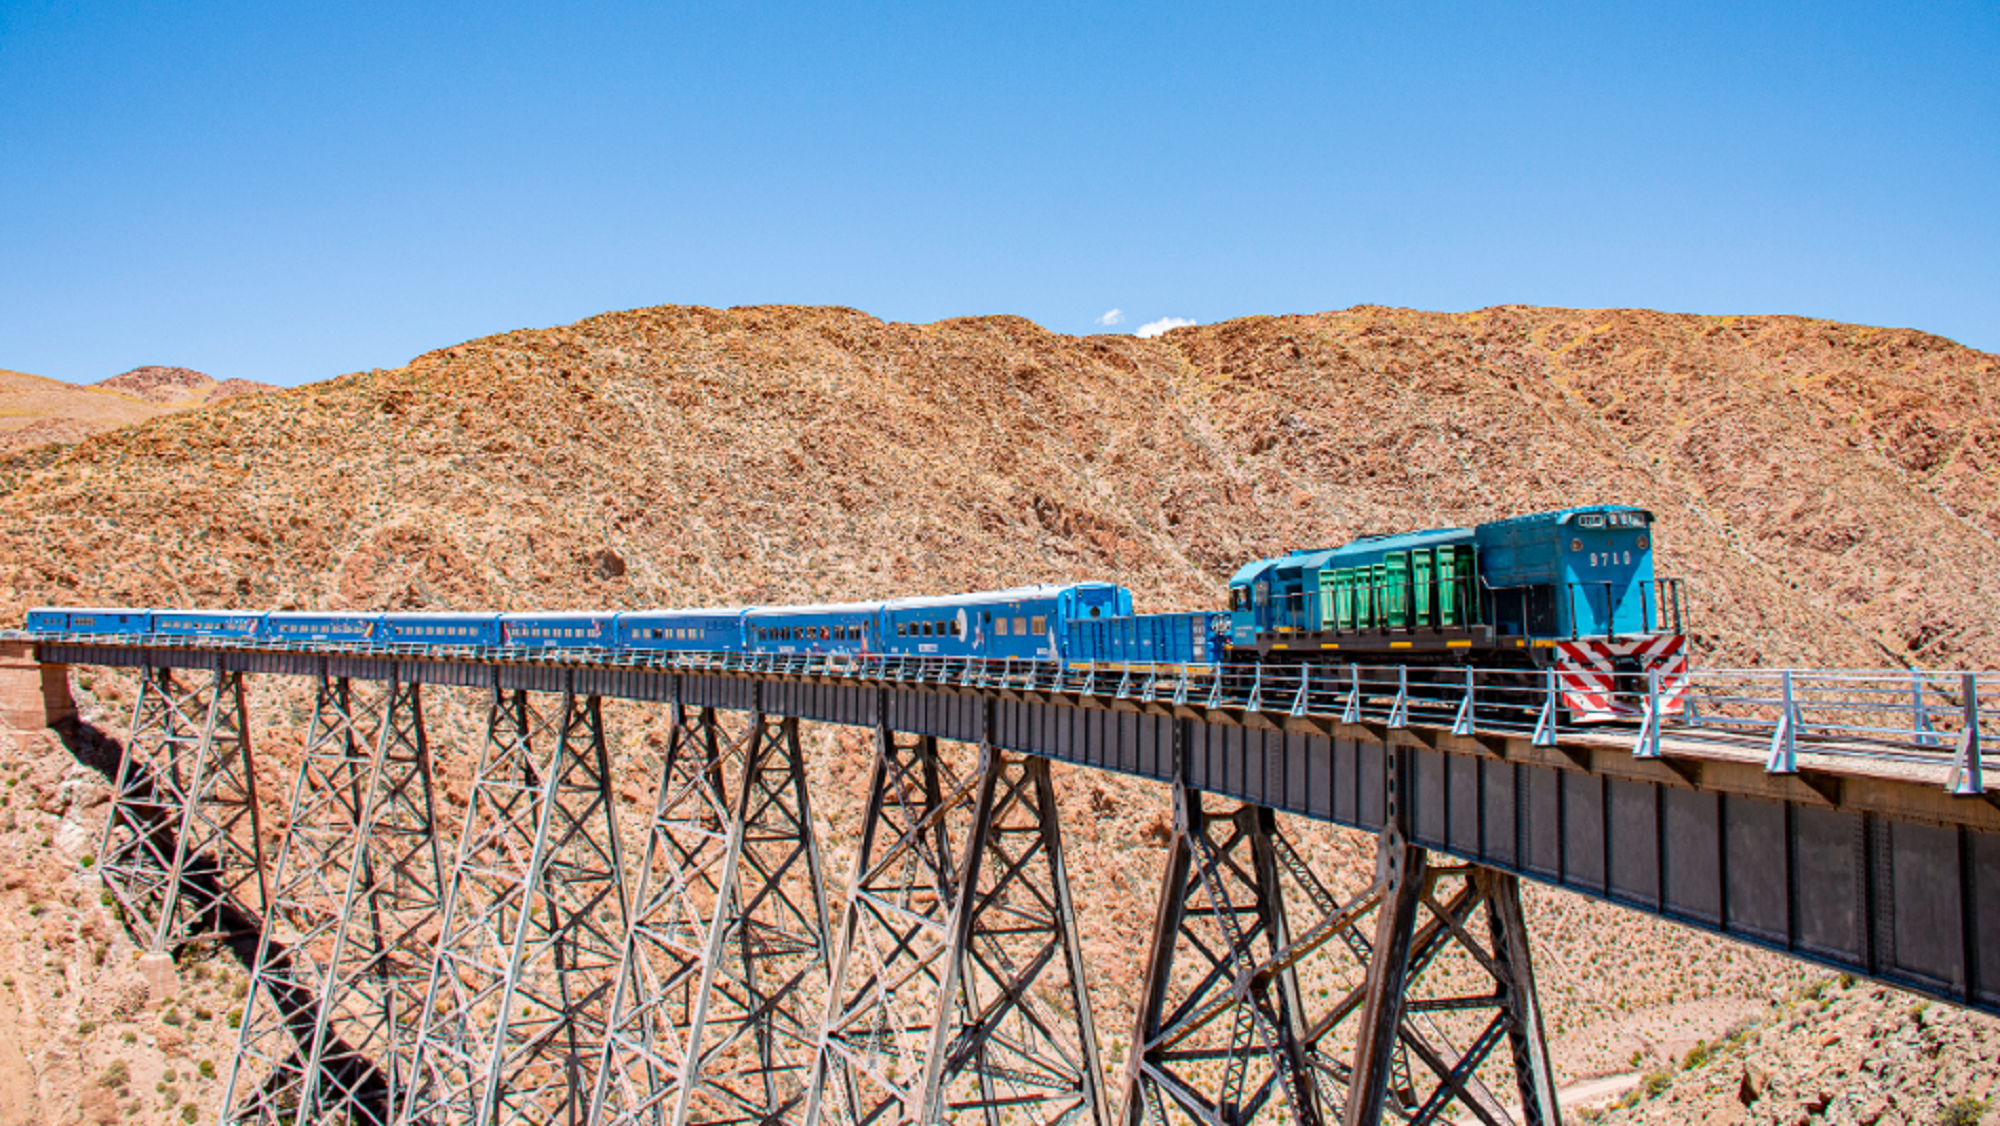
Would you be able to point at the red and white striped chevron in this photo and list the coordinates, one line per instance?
(1587, 672)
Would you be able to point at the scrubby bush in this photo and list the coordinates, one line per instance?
(1962, 1111)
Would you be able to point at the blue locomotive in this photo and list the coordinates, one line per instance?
(1572, 590)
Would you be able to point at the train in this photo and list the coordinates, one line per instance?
(1572, 590)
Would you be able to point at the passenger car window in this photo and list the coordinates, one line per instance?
(1000, 627)
(1021, 626)
(1041, 625)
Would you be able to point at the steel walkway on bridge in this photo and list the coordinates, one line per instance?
(544, 959)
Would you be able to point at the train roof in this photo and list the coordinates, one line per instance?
(689, 612)
(1565, 515)
(1402, 541)
(816, 608)
(981, 598)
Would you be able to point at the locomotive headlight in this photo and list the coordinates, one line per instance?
(1642, 543)
(1576, 545)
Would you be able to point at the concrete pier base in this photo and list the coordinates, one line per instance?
(32, 695)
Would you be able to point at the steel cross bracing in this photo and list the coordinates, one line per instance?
(1221, 1029)
(328, 1025)
(519, 997)
(1227, 1034)
(181, 848)
(958, 982)
(1419, 1050)
(724, 965)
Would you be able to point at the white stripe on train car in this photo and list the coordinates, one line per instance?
(1587, 673)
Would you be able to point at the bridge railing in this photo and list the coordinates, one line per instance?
(1912, 717)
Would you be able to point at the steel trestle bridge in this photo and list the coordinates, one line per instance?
(533, 952)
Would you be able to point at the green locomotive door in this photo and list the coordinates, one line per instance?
(1423, 579)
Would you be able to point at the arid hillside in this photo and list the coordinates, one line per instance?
(1828, 491)
(38, 412)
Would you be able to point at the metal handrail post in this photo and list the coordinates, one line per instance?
(1648, 743)
(1299, 700)
(1920, 713)
(1351, 713)
(1968, 778)
(1461, 724)
(1545, 725)
(1399, 712)
(1785, 740)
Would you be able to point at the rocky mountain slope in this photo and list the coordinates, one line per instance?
(179, 386)
(1828, 490)
(37, 412)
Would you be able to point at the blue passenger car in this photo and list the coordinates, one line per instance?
(449, 631)
(552, 630)
(314, 627)
(845, 628)
(83, 619)
(236, 624)
(709, 630)
(1024, 623)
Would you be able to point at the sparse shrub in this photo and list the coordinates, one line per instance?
(1696, 1056)
(203, 1014)
(207, 1069)
(129, 1036)
(86, 1027)
(117, 1075)
(169, 1075)
(236, 1018)
(87, 861)
(1962, 1111)
(189, 1113)
(171, 1017)
(1657, 1080)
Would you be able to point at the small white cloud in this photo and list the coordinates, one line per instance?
(1155, 328)
(1114, 317)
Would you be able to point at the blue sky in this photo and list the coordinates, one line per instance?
(288, 192)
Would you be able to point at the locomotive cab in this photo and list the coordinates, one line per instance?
(1575, 573)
